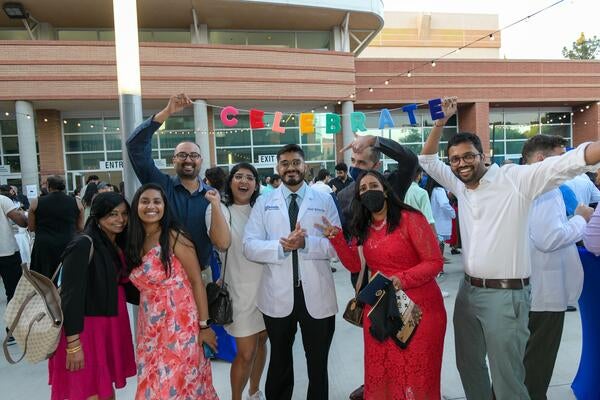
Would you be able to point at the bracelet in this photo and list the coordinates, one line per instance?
(204, 327)
(73, 350)
(72, 341)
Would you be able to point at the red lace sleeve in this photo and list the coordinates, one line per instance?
(348, 254)
(424, 241)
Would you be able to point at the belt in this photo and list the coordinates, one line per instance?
(497, 283)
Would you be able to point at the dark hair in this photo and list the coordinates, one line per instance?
(136, 234)
(102, 205)
(228, 197)
(56, 182)
(217, 177)
(418, 171)
(90, 191)
(290, 148)
(543, 143)
(341, 167)
(91, 178)
(275, 177)
(361, 216)
(322, 175)
(465, 137)
(430, 185)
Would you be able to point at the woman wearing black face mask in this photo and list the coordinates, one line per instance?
(399, 243)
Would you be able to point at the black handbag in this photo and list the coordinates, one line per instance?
(220, 308)
(354, 309)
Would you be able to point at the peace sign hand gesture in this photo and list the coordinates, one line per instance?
(329, 231)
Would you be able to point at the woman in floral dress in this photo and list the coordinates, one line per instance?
(173, 320)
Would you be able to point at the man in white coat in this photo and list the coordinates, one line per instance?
(556, 270)
(297, 285)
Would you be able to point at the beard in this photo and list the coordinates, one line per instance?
(293, 181)
(184, 171)
(470, 175)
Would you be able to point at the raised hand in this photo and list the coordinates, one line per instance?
(360, 143)
(329, 231)
(295, 240)
(213, 197)
(449, 105)
(178, 102)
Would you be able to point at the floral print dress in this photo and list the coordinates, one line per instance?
(170, 361)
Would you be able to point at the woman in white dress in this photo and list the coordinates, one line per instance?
(243, 278)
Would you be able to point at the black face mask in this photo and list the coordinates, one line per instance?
(373, 200)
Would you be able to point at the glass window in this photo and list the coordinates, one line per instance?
(14, 34)
(113, 141)
(521, 117)
(265, 151)
(313, 40)
(8, 127)
(498, 147)
(84, 161)
(447, 133)
(145, 36)
(227, 37)
(496, 118)
(316, 152)
(267, 137)
(14, 162)
(172, 36)
(84, 143)
(521, 131)
(10, 145)
(72, 34)
(83, 125)
(427, 121)
(406, 135)
(234, 155)
(556, 118)
(106, 36)
(559, 130)
(277, 39)
(182, 122)
(170, 140)
(114, 155)
(514, 147)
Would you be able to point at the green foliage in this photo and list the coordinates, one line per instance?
(583, 49)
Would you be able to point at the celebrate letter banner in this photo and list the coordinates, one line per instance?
(225, 113)
(256, 119)
(410, 110)
(276, 123)
(332, 123)
(435, 108)
(307, 123)
(357, 121)
(385, 118)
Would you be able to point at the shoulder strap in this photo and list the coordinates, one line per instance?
(363, 264)
(59, 269)
(226, 251)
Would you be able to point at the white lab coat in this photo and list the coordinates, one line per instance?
(556, 270)
(268, 222)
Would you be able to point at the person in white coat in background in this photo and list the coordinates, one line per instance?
(297, 284)
(556, 270)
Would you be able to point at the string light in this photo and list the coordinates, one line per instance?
(325, 107)
(409, 74)
(587, 107)
(7, 114)
(340, 102)
(28, 116)
(371, 90)
(45, 119)
(492, 37)
(433, 63)
(386, 82)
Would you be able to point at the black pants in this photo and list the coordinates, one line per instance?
(10, 271)
(316, 339)
(545, 329)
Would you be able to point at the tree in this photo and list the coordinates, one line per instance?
(583, 49)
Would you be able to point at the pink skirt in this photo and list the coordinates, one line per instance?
(108, 358)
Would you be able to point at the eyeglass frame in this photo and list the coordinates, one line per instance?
(285, 164)
(192, 156)
(239, 177)
(455, 160)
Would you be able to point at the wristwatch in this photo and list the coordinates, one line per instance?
(206, 323)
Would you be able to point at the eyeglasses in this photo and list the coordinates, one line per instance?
(183, 156)
(468, 158)
(286, 164)
(240, 177)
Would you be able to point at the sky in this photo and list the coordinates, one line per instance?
(542, 37)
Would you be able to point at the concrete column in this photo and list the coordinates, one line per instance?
(45, 31)
(202, 34)
(336, 33)
(347, 134)
(130, 112)
(26, 138)
(201, 130)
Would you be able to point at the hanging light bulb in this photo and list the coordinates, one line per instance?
(28, 116)
(371, 90)
(492, 37)
(65, 121)
(386, 82)
(45, 119)
(409, 74)
(339, 102)
(587, 107)
(7, 113)
(433, 63)
(325, 107)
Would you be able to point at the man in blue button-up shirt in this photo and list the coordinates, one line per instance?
(187, 194)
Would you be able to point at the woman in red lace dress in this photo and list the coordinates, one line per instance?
(399, 243)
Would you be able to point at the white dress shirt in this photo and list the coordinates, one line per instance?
(585, 190)
(556, 270)
(494, 217)
(443, 213)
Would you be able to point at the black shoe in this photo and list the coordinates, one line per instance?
(571, 308)
(454, 251)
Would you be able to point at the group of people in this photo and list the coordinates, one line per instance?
(275, 248)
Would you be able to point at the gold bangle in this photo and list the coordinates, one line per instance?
(73, 350)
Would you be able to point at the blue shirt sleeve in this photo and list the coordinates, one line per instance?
(139, 147)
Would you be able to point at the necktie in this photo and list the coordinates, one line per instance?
(293, 213)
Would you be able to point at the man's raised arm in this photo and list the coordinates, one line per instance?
(432, 144)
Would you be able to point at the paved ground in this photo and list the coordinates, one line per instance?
(25, 381)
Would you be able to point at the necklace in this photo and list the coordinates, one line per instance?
(379, 225)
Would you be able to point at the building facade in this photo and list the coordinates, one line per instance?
(59, 111)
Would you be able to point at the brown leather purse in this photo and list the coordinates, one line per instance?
(354, 309)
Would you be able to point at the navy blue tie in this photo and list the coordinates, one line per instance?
(293, 213)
